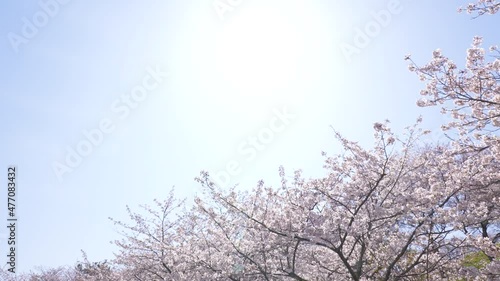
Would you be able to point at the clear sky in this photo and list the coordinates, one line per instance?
(248, 89)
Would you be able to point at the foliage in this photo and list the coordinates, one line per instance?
(478, 260)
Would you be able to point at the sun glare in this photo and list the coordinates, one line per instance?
(257, 57)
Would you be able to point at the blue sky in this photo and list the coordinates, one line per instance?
(229, 82)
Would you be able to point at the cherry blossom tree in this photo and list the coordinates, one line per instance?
(471, 97)
(94, 271)
(374, 216)
(396, 211)
(148, 249)
(83, 271)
